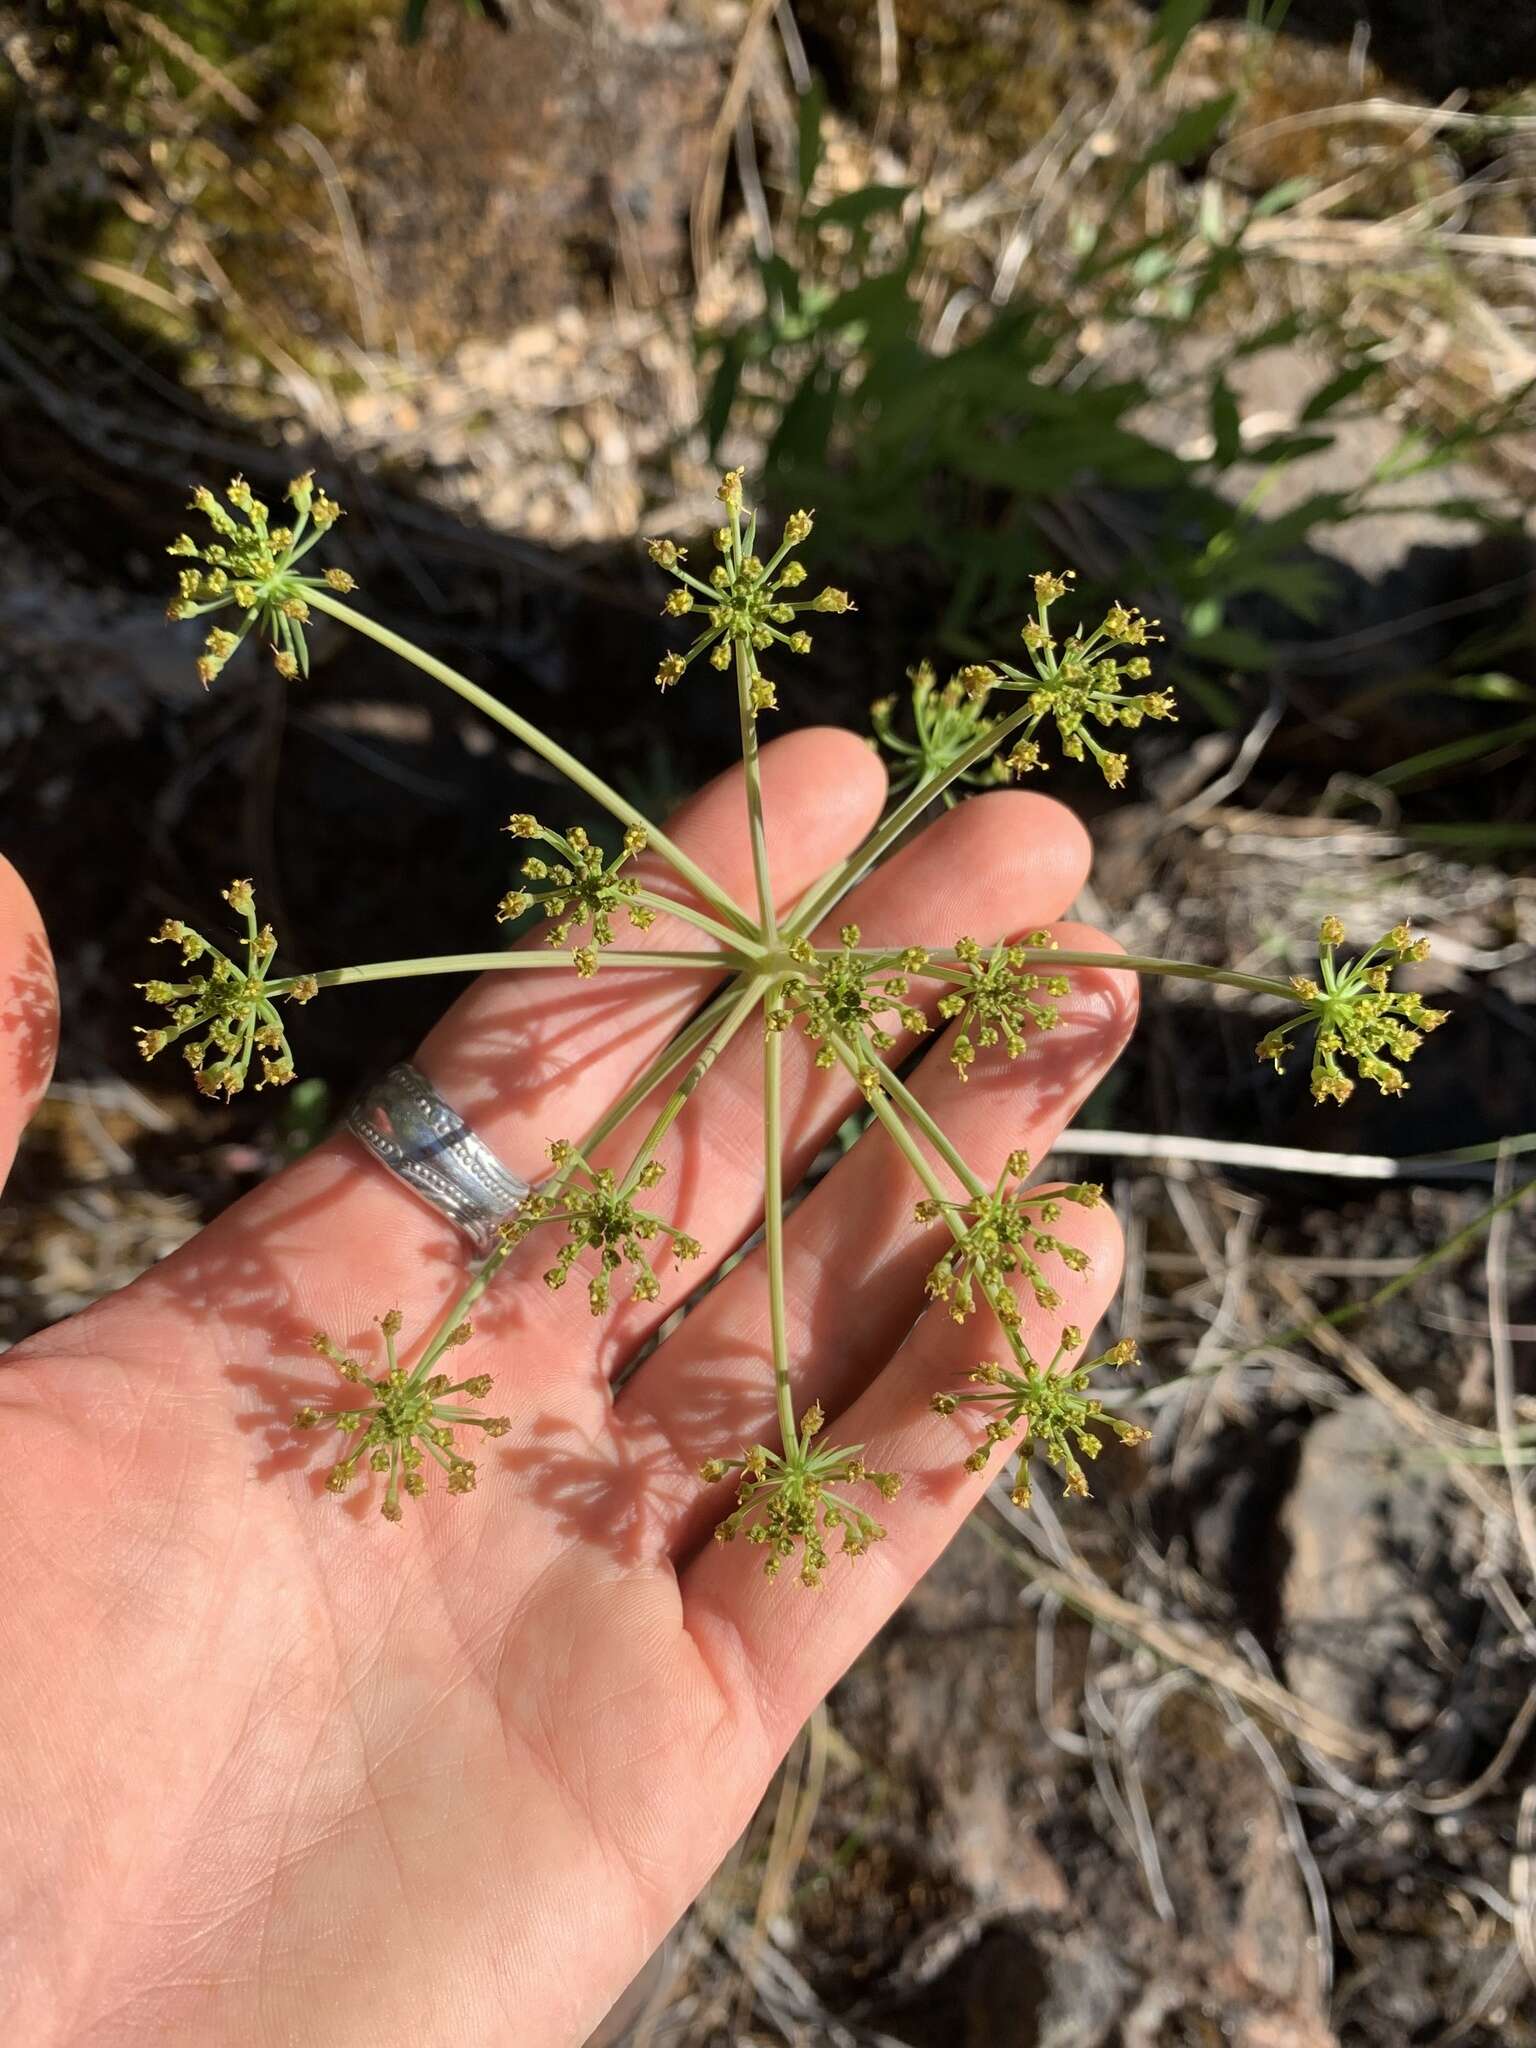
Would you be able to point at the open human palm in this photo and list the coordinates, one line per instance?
(279, 1772)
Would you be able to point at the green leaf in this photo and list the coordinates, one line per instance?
(1189, 137)
(1337, 389)
(1232, 647)
(1302, 587)
(723, 386)
(1490, 838)
(1279, 334)
(805, 425)
(813, 104)
(1218, 703)
(1280, 448)
(1455, 753)
(1492, 688)
(1226, 425)
(1175, 19)
(781, 281)
(855, 209)
(1279, 197)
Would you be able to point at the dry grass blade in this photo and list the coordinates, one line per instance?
(706, 205)
(1438, 1432)
(1186, 1648)
(1502, 1351)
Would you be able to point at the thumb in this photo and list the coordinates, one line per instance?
(29, 1011)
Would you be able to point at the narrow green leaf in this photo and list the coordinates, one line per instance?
(1226, 424)
(1281, 196)
(1492, 688)
(854, 209)
(1189, 137)
(1455, 753)
(813, 105)
(1233, 647)
(1175, 19)
(1337, 389)
(1490, 838)
(723, 387)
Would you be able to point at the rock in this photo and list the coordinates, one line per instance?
(1364, 1524)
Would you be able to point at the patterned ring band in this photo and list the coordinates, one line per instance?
(409, 1128)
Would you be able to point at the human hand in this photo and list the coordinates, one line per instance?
(278, 1772)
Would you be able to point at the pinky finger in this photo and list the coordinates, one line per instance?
(778, 1649)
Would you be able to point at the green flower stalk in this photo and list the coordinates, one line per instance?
(1051, 1407)
(1007, 1245)
(409, 1419)
(227, 1014)
(745, 603)
(250, 568)
(1357, 1014)
(600, 1215)
(949, 725)
(1001, 1233)
(789, 1502)
(1076, 682)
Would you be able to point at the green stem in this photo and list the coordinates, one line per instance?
(904, 1139)
(755, 822)
(1174, 970)
(574, 770)
(830, 891)
(497, 963)
(479, 1282)
(773, 1231)
(947, 1150)
(666, 1061)
(1125, 963)
(667, 907)
(750, 996)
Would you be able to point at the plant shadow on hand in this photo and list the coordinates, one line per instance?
(29, 1021)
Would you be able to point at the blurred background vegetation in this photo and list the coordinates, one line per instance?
(1229, 308)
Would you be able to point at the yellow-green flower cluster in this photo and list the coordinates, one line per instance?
(226, 1015)
(1052, 1405)
(788, 1503)
(846, 993)
(996, 997)
(409, 1418)
(1000, 1235)
(745, 602)
(250, 567)
(1359, 1016)
(948, 724)
(599, 1214)
(583, 890)
(1077, 681)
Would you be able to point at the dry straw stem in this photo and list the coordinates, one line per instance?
(1184, 1648)
(1442, 1434)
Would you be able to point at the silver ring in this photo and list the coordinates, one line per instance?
(409, 1128)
